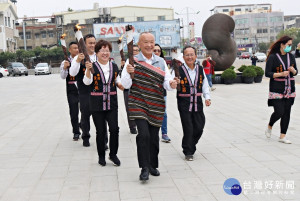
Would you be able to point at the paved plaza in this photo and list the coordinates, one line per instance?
(40, 161)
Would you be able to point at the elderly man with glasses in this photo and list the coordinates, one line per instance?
(193, 83)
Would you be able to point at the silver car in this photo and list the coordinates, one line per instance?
(17, 68)
(42, 68)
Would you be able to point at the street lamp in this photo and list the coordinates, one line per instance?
(187, 13)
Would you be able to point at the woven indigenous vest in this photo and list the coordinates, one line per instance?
(189, 97)
(146, 98)
(103, 94)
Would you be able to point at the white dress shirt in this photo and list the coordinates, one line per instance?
(105, 69)
(64, 72)
(75, 66)
(127, 81)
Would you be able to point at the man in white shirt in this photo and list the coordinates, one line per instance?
(72, 90)
(147, 139)
(193, 83)
(78, 69)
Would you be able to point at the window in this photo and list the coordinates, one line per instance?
(265, 8)
(121, 19)
(265, 30)
(21, 36)
(276, 19)
(238, 9)
(260, 19)
(44, 35)
(28, 35)
(140, 19)
(6, 21)
(37, 35)
(51, 35)
(241, 21)
(262, 31)
(225, 10)
(161, 17)
(13, 25)
(74, 21)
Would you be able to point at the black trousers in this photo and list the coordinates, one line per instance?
(73, 101)
(147, 142)
(192, 125)
(84, 100)
(100, 118)
(282, 111)
(131, 123)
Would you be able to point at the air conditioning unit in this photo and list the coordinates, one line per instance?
(100, 11)
(106, 11)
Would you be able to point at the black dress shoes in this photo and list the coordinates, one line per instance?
(102, 161)
(144, 176)
(133, 131)
(154, 171)
(86, 143)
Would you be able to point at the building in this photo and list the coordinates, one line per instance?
(140, 14)
(37, 34)
(254, 28)
(8, 31)
(291, 21)
(242, 9)
(254, 24)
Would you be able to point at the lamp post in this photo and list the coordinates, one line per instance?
(187, 13)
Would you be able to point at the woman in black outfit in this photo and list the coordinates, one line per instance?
(281, 69)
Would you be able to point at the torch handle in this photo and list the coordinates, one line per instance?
(176, 65)
(130, 56)
(82, 49)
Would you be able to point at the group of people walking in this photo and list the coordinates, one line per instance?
(144, 95)
(145, 84)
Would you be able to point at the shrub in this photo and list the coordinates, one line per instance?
(228, 74)
(242, 68)
(259, 71)
(231, 67)
(249, 72)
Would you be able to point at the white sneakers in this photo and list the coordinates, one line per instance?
(284, 140)
(268, 132)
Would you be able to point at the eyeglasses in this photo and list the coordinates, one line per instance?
(156, 51)
(136, 50)
(104, 51)
(189, 55)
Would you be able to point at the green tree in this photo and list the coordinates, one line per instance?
(263, 47)
(293, 33)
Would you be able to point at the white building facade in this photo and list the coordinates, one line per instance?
(8, 31)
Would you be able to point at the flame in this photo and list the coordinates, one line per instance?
(63, 36)
(121, 37)
(78, 27)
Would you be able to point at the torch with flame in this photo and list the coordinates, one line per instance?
(64, 46)
(81, 44)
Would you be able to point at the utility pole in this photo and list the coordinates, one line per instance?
(24, 35)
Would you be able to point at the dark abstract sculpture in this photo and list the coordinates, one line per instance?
(216, 35)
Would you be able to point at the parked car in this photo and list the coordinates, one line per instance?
(261, 56)
(17, 68)
(245, 55)
(42, 68)
(3, 72)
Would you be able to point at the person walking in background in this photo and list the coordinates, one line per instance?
(72, 90)
(253, 59)
(193, 83)
(164, 128)
(297, 52)
(78, 69)
(281, 69)
(208, 65)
